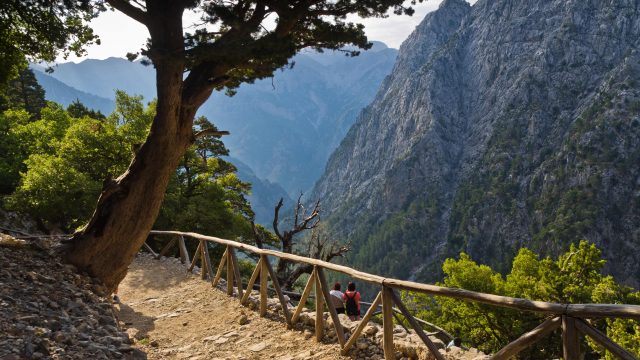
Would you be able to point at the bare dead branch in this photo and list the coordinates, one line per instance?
(276, 212)
(210, 132)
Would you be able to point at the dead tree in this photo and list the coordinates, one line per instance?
(318, 245)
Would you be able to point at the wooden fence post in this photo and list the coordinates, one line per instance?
(319, 311)
(167, 247)
(236, 272)
(603, 340)
(276, 286)
(204, 269)
(153, 253)
(223, 262)
(332, 311)
(305, 294)
(263, 285)
(229, 271)
(529, 338)
(196, 256)
(184, 254)
(570, 339)
(387, 323)
(252, 280)
(363, 323)
(414, 324)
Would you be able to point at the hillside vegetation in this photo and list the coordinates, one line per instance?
(503, 124)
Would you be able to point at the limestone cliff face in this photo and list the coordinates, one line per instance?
(505, 124)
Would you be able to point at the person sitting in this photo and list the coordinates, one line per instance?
(336, 298)
(352, 301)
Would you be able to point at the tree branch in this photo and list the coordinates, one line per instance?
(257, 236)
(131, 11)
(210, 132)
(275, 219)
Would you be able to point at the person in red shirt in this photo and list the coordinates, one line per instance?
(352, 301)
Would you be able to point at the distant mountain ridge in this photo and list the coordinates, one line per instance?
(56, 90)
(285, 128)
(505, 124)
(104, 77)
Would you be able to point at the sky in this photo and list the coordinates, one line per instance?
(119, 34)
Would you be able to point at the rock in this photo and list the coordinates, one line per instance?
(258, 347)
(370, 330)
(55, 313)
(135, 334)
(221, 340)
(243, 319)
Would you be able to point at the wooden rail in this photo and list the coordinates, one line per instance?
(569, 317)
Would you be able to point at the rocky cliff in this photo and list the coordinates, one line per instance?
(504, 124)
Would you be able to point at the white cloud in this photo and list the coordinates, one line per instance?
(394, 29)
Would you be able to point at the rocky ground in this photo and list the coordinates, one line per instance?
(48, 311)
(173, 314)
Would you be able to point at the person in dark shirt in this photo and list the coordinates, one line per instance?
(352, 300)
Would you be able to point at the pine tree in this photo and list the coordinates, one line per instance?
(24, 92)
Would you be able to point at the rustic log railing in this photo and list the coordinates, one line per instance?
(568, 317)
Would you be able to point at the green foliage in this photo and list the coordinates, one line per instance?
(40, 30)
(67, 159)
(53, 191)
(25, 93)
(395, 245)
(77, 110)
(205, 195)
(53, 166)
(575, 277)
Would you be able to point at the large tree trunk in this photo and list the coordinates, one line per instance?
(129, 205)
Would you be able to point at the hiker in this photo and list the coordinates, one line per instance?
(352, 301)
(336, 298)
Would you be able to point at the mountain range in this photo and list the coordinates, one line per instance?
(504, 124)
(283, 129)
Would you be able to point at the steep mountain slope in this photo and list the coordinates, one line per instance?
(56, 90)
(506, 124)
(285, 128)
(264, 194)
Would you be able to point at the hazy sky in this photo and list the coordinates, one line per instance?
(120, 35)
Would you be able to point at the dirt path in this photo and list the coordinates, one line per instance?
(175, 315)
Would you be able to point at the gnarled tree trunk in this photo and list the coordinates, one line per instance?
(240, 50)
(129, 205)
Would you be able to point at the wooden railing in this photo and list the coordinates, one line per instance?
(569, 317)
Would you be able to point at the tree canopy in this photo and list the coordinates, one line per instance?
(241, 41)
(41, 30)
(235, 42)
(54, 166)
(575, 277)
